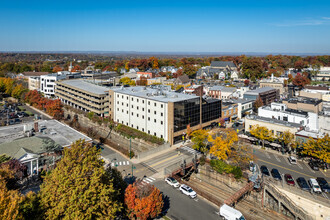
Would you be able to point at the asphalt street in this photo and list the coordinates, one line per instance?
(183, 207)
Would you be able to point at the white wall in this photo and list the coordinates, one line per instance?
(139, 113)
(47, 84)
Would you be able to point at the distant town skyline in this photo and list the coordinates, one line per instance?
(168, 26)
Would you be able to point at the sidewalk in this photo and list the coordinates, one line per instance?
(39, 111)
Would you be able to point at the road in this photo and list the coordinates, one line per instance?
(181, 206)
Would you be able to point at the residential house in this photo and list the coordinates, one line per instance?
(182, 80)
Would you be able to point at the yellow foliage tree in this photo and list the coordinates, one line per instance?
(222, 145)
(319, 148)
(199, 138)
(9, 199)
(127, 81)
(286, 138)
(262, 133)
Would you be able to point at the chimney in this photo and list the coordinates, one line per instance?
(36, 126)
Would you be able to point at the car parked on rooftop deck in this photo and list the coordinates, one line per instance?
(276, 174)
(323, 184)
(289, 180)
(303, 184)
(314, 185)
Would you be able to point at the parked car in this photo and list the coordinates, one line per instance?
(188, 191)
(289, 180)
(172, 182)
(314, 185)
(323, 184)
(303, 184)
(230, 213)
(264, 170)
(276, 174)
(313, 165)
(292, 160)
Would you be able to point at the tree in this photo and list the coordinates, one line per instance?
(17, 91)
(286, 138)
(127, 81)
(143, 201)
(4, 158)
(222, 145)
(199, 138)
(9, 199)
(258, 104)
(262, 133)
(78, 188)
(30, 207)
(246, 82)
(319, 148)
(190, 70)
(300, 80)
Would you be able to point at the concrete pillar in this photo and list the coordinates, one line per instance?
(37, 166)
(279, 207)
(31, 168)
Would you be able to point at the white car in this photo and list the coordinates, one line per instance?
(188, 191)
(292, 160)
(172, 182)
(314, 185)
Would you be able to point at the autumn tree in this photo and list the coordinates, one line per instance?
(286, 138)
(221, 145)
(258, 103)
(143, 201)
(78, 188)
(246, 82)
(190, 70)
(30, 207)
(17, 91)
(199, 138)
(127, 81)
(319, 148)
(262, 133)
(300, 80)
(154, 62)
(9, 199)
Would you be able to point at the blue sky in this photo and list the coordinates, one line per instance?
(166, 26)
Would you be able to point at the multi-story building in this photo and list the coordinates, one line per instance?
(244, 107)
(161, 112)
(304, 104)
(84, 95)
(274, 125)
(266, 94)
(316, 92)
(221, 92)
(47, 83)
(34, 83)
(324, 118)
(27, 75)
(229, 110)
(279, 111)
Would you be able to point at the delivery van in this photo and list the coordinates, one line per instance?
(229, 213)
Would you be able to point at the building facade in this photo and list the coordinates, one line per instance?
(266, 94)
(34, 83)
(244, 107)
(160, 112)
(229, 111)
(47, 84)
(84, 95)
(304, 104)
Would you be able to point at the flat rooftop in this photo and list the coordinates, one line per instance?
(306, 100)
(156, 93)
(86, 85)
(273, 121)
(259, 90)
(60, 133)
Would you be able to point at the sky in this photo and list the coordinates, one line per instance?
(268, 26)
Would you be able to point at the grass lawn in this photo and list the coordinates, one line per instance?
(21, 108)
(29, 113)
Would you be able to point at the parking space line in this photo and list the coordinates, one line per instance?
(287, 161)
(267, 154)
(325, 195)
(309, 168)
(299, 165)
(276, 157)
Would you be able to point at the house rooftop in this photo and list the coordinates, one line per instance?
(308, 134)
(86, 85)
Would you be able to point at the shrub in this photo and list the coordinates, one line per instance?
(222, 167)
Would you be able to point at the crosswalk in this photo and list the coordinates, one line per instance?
(190, 150)
(148, 180)
(120, 163)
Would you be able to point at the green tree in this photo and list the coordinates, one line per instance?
(79, 187)
(30, 207)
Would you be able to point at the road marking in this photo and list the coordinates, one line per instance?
(124, 163)
(325, 195)
(267, 154)
(299, 165)
(276, 157)
(285, 168)
(127, 162)
(309, 168)
(155, 164)
(287, 161)
(120, 163)
(152, 178)
(196, 200)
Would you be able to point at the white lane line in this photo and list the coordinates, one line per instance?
(287, 161)
(152, 178)
(146, 181)
(267, 154)
(120, 163)
(309, 168)
(276, 157)
(127, 162)
(299, 165)
(124, 163)
(325, 195)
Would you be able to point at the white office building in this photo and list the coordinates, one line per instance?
(47, 83)
(279, 111)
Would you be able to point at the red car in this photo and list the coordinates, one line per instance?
(289, 180)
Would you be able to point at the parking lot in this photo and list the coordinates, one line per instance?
(11, 114)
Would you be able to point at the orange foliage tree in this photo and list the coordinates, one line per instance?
(143, 201)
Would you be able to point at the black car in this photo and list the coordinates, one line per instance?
(276, 174)
(323, 184)
(264, 170)
(303, 184)
(313, 165)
